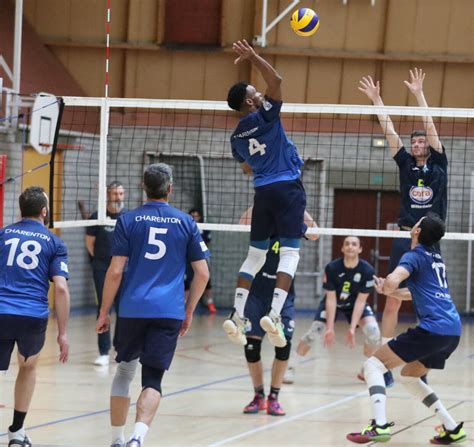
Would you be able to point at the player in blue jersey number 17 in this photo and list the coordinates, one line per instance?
(260, 145)
(426, 346)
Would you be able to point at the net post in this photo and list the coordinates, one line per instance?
(104, 131)
(51, 163)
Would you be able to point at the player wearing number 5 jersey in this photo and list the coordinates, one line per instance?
(426, 346)
(30, 257)
(260, 145)
(157, 240)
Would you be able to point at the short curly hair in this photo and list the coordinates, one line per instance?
(236, 95)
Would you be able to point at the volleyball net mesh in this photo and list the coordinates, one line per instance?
(350, 178)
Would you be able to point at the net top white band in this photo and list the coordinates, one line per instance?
(287, 107)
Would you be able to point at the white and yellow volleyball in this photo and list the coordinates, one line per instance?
(304, 22)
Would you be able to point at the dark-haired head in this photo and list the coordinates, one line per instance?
(236, 95)
(418, 133)
(34, 203)
(432, 229)
(157, 181)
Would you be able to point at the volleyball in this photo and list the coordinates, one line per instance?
(304, 22)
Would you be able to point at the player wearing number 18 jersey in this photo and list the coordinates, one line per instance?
(261, 146)
(157, 240)
(30, 257)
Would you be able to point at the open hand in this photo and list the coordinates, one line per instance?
(415, 85)
(329, 337)
(350, 338)
(370, 88)
(244, 50)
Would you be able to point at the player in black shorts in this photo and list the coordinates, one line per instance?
(348, 281)
(257, 305)
(188, 277)
(423, 179)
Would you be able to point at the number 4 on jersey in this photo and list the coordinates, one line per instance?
(255, 146)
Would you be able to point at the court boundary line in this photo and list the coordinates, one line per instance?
(289, 419)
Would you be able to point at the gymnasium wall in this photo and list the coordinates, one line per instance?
(353, 40)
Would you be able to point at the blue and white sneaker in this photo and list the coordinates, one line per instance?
(134, 442)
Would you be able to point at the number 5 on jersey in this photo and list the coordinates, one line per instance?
(153, 240)
(255, 146)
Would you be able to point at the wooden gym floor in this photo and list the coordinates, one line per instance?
(208, 385)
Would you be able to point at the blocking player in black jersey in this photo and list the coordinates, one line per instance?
(423, 179)
(348, 281)
(257, 305)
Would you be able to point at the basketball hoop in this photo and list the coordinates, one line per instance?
(44, 119)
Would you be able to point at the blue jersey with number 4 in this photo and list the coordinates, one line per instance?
(260, 140)
(30, 256)
(158, 241)
(428, 285)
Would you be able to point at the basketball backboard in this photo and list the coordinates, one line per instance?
(44, 117)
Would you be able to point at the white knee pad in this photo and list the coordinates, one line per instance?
(372, 333)
(254, 262)
(289, 258)
(315, 333)
(123, 378)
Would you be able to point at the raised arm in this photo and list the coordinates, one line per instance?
(415, 85)
(372, 90)
(269, 74)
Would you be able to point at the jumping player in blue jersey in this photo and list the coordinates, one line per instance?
(423, 179)
(426, 346)
(157, 240)
(258, 303)
(260, 145)
(30, 257)
(348, 281)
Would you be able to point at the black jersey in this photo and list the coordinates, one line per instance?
(348, 282)
(422, 188)
(264, 282)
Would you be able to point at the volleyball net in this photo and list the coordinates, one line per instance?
(350, 178)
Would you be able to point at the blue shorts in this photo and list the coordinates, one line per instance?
(278, 210)
(153, 340)
(432, 350)
(346, 311)
(256, 308)
(27, 332)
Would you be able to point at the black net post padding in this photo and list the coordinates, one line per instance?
(51, 163)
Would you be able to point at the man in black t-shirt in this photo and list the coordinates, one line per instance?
(423, 179)
(208, 296)
(99, 246)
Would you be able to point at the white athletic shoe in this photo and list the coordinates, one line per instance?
(289, 376)
(134, 443)
(102, 360)
(118, 443)
(273, 326)
(236, 327)
(18, 440)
